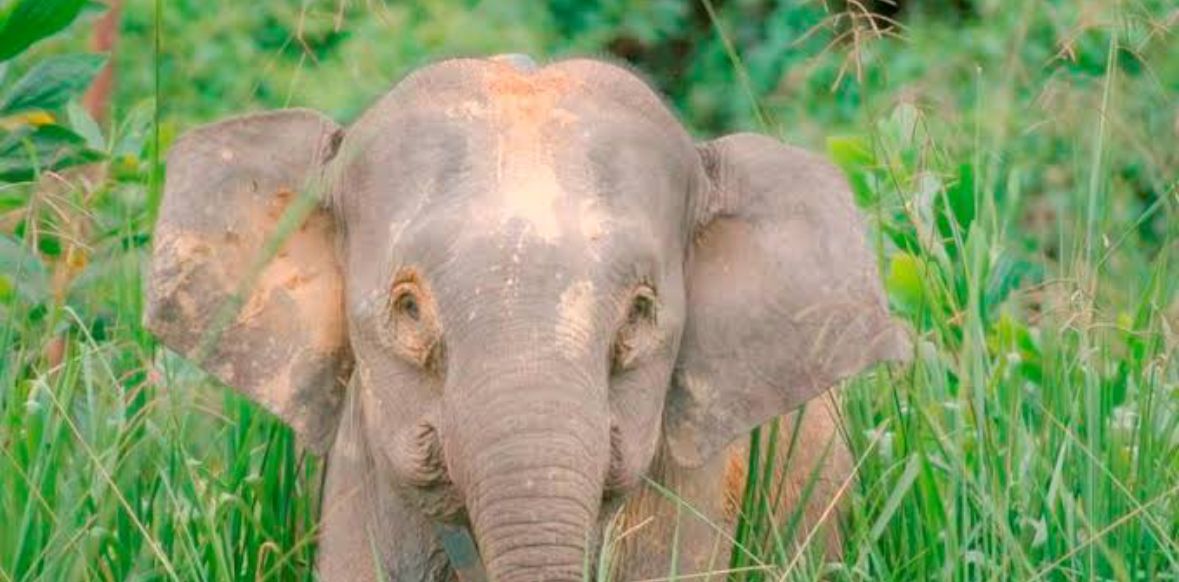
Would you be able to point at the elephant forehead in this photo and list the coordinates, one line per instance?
(529, 129)
(490, 153)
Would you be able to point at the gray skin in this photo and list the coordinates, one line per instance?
(505, 295)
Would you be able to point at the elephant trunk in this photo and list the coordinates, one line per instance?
(531, 465)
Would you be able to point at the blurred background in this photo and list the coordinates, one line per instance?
(1018, 162)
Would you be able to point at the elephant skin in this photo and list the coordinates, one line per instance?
(510, 299)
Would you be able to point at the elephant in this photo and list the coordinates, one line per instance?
(514, 305)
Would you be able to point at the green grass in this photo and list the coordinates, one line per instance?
(1020, 170)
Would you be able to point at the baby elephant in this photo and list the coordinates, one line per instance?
(505, 298)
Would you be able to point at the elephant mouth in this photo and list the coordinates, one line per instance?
(461, 552)
(424, 480)
(418, 463)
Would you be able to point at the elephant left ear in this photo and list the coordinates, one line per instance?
(244, 277)
(784, 299)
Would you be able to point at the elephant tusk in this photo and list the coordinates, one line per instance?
(461, 551)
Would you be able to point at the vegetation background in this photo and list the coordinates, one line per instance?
(1018, 161)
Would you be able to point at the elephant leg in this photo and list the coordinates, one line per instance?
(367, 533)
(814, 473)
(694, 515)
(346, 543)
(690, 515)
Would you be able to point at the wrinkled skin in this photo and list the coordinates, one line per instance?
(505, 295)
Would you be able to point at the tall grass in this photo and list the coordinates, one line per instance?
(1019, 172)
(1036, 433)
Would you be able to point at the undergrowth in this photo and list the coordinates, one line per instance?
(1017, 162)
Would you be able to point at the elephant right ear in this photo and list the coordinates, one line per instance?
(784, 299)
(244, 275)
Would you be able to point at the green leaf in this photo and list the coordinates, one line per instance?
(32, 20)
(850, 152)
(21, 272)
(1007, 275)
(10, 200)
(84, 125)
(906, 281)
(134, 131)
(854, 156)
(960, 197)
(899, 490)
(902, 126)
(52, 82)
(49, 245)
(30, 150)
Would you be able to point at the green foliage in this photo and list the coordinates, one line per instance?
(51, 83)
(24, 22)
(34, 148)
(1016, 162)
(30, 140)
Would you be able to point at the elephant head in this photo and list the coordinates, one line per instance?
(525, 280)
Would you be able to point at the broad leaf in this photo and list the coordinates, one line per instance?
(52, 82)
(854, 156)
(958, 205)
(29, 21)
(84, 125)
(1008, 274)
(30, 150)
(21, 272)
(906, 282)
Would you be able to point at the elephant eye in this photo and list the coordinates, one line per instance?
(642, 307)
(413, 323)
(406, 304)
(637, 334)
